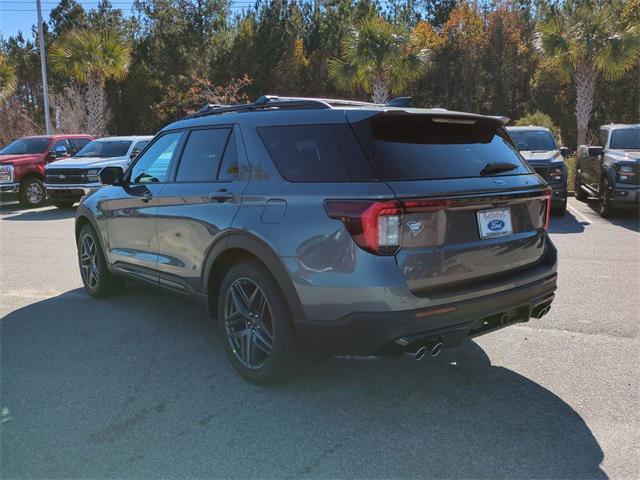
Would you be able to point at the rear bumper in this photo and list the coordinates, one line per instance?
(397, 332)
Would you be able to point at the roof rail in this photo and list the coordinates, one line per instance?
(400, 102)
(263, 103)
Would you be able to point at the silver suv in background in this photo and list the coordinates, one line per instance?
(538, 146)
(342, 227)
(66, 181)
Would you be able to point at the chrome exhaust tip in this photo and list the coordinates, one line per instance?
(436, 349)
(543, 312)
(420, 353)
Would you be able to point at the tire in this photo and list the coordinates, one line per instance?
(98, 281)
(253, 313)
(581, 196)
(560, 211)
(605, 209)
(64, 204)
(32, 193)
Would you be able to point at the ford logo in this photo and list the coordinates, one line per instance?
(495, 225)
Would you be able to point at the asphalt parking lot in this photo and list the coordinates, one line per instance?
(137, 386)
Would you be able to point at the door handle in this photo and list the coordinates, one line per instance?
(221, 196)
(146, 197)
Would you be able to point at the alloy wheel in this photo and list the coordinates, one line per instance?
(34, 193)
(89, 262)
(248, 323)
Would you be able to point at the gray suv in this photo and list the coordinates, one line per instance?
(327, 225)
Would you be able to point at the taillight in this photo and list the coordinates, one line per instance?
(548, 210)
(374, 226)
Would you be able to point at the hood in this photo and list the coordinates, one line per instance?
(626, 155)
(18, 159)
(538, 157)
(89, 162)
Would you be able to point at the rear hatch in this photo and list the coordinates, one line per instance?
(470, 208)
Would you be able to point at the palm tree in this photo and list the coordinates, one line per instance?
(379, 57)
(579, 46)
(7, 79)
(91, 58)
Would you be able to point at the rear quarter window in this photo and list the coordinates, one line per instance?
(317, 153)
(421, 147)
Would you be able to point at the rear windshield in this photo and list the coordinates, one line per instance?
(418, 147)
(533, 140)
(625, 139)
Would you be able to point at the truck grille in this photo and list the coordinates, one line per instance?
(66, 176)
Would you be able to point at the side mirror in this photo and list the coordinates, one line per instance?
(134, 153)
(58, 152)
(112, 176)
(595, 151)
(564, 151)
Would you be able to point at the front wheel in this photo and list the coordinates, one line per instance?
(96, 277)
(32, 193)
(605, 208)
(256, 325)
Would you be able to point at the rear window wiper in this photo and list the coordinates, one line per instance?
(491, 168)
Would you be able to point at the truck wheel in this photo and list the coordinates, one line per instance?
(97, 279)
(256, 325)
(561, 210)
(580, 193)
(64, 204)
(605, 209)
(32, 193)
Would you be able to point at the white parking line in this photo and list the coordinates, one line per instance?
(576, 213)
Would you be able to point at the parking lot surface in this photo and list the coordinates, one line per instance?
(137, 386)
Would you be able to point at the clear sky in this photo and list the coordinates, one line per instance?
(16, 15)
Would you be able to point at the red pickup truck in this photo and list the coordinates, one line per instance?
(22, 164)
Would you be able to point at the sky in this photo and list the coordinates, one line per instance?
(20, 15)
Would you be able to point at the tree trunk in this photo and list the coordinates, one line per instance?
(380, 90)
(97, 112)
(585, 81)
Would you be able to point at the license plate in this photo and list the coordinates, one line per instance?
(494, 223)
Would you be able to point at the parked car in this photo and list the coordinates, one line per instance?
(540, 149)
(22, 164)
(610, 170)
(342, 227)
(68, 180)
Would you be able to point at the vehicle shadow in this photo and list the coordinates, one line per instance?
(138, 387)
(566, 224)
(629, 219)
(18, 213)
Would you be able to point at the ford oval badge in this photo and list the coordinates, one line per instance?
(495, 225)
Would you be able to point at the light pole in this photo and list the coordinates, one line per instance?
(43, 68)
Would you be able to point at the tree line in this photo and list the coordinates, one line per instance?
(577, 61)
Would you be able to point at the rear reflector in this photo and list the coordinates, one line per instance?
(548, 208)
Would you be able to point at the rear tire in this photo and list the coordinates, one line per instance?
(32, 193)
(64, 205)
(98, 281)
(256, 325)
(560, 211)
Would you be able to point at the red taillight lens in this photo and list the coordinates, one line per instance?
(548, 210)
(374, 226)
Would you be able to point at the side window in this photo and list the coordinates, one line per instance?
(64, 143)
(78, 143)
(603, 138)
(202, 154)
(229, 168)
(154, 165)
(140, 145)
(315, 153)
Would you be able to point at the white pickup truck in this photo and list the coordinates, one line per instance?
(67, 181)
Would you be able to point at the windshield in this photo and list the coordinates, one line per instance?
(105, 148)
(417, 147)
(625, 139)
(533, 140)
(26, 146)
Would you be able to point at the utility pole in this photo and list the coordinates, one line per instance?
(43, 68)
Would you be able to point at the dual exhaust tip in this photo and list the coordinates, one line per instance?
(432, 349)
(542, 312)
